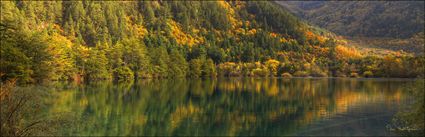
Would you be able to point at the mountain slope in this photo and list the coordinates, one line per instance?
(395, 19)
(102, 40)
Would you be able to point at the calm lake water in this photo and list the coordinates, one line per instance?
(231, 106)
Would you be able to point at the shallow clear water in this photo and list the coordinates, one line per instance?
(231, 106)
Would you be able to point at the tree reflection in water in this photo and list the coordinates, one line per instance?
(228, 106)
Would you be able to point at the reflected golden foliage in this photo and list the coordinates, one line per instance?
(238, 104)
(181, 113)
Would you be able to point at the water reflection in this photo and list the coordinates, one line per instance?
(228, 106)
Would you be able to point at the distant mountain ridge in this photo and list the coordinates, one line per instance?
(395, 19)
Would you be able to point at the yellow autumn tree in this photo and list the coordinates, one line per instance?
(230, 14)
(272, 65)
(347, 52)
(181, 37)
(59, 48)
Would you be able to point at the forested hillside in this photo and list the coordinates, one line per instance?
(104, 40)
(394, 19)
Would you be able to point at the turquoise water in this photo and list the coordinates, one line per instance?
(231, 106)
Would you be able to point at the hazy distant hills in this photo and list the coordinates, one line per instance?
(395, 19)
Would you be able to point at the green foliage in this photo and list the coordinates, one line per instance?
(368, 74)
(134, 55)
(95, 67)
(23, 55)
(178, 65)
(229, 69)
(62, 63)
(214, 19)
(195, 68)
(160, 59)
(94, 40)
(123, 73)
(277, 19)
(208, 68)
(316, 71)
(216, 54)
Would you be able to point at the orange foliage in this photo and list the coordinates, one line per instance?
(181, 37)
(309, 35)
(347, 52)
(321, 39)
(274, 35)
(252, 32)
(240, 31)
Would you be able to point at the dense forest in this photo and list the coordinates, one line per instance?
(393, 19)
(104, 40)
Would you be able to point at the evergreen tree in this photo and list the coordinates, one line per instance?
(195, 68)
(208, 68)
(178, 66)
(160, 59)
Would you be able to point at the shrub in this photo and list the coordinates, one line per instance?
(260, 72)
(124, 73)
(144, 74)
(230, 69)
(316, 72)
(301, 74)
(368, 74)
(319, 74)
(354, 75)
(286, 75)
(340, 74)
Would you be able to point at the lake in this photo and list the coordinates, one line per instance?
(231, 106)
